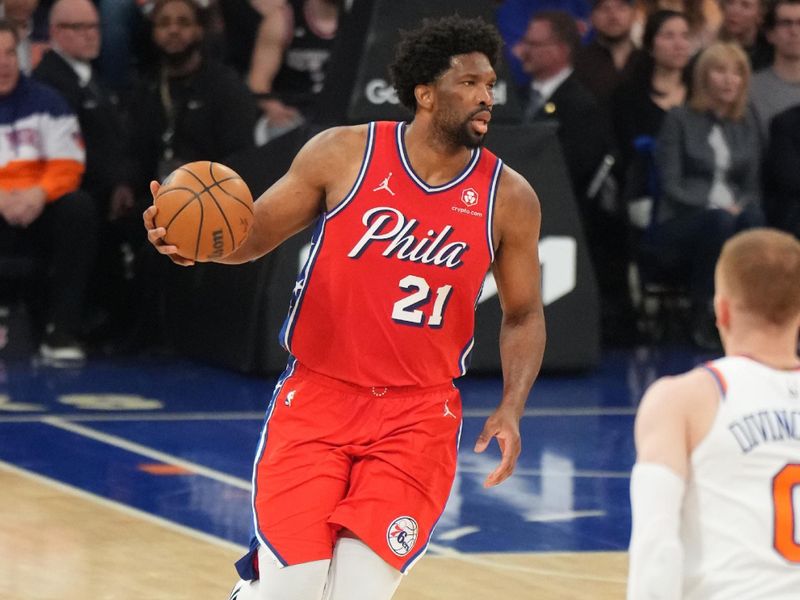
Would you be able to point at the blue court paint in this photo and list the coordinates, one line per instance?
(570, 491)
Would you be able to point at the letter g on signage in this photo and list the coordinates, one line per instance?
(379, 91)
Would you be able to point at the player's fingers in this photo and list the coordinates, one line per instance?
(502, 472)
(511, 450)
(149, 217)
(154, 187)
(484, 438)
(154, 235)
(179, 260)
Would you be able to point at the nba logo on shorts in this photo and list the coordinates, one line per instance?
(402, 535)
(469, 197)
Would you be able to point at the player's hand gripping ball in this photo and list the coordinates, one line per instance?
(206, 208)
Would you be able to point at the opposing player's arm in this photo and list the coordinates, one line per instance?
(293, 202)
(674, 415)
(522, 332)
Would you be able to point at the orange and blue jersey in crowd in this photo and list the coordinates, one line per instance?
(40, 141)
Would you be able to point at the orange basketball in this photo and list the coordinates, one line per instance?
(206, 208)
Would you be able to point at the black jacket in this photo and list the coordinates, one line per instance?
(781, 172)
(107, 162)
(583, 130)
(214, 117)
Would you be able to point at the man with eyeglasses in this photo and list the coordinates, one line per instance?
(67, 67)
(776, 88)
(556, 95)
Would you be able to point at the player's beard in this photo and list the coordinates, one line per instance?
(454, 132)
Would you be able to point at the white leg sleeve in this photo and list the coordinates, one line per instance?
(357, 573)
(656, 554)
(305, 581)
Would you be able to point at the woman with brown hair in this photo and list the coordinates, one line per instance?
(707, 157)
(703, 17)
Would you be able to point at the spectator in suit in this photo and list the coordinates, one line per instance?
(547, 51)
(605, 61)
(741, 22)
(67, 67)
(781, 175)
(707, 156)
(42, 211)
(584, 133)
(778, 87)
(513, 17)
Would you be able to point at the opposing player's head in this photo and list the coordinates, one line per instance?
(758, 282)
(444, 70)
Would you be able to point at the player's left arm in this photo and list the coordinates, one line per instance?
(670, 415)
(522, 331)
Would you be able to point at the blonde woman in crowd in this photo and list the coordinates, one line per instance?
(707, 156)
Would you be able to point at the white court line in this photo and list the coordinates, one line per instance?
(259, 415)
(113, 440)
(587, 473)
(123, 508)
(244, 484)
(457, 533)
(565, 516)
(441, 551)
(445, 552)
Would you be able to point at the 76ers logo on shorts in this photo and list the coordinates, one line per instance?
(402, 535)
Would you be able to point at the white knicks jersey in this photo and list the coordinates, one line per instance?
(741, 513)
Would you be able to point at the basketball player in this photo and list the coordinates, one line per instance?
(715, 491)
(358, 452)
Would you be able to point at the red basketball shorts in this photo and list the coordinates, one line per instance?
(379, 462)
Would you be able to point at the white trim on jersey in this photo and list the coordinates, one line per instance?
(490, 209)
(361, 173)
(290, 367)
(401, 148)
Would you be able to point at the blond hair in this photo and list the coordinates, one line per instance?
(760, 269)
(719, 54)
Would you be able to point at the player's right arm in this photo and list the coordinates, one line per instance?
(324, 169)
(674, 415)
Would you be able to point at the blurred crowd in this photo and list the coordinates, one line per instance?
(679, 124)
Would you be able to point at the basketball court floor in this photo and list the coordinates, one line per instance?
(130, 478)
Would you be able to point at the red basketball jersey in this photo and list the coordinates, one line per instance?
(388, 294)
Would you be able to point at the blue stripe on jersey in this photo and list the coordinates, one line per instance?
(287, 330)
(362, 172)
(401, 149)
(419, 553)
(466, 357)
(490, 216)
(717, 376)
(262, 443)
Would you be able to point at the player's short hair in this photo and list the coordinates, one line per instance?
(761, 271)
(424, 54)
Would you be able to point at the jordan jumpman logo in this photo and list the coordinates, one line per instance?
(385, 185)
